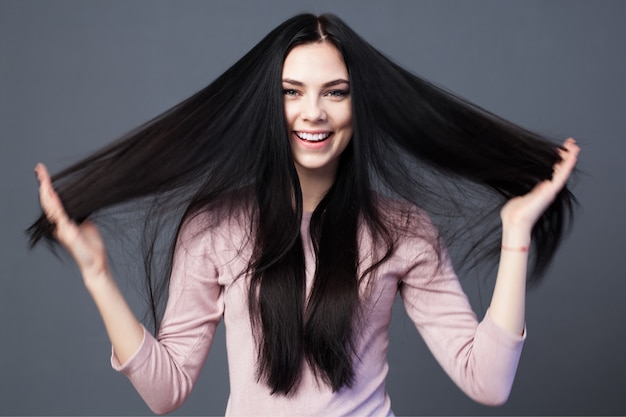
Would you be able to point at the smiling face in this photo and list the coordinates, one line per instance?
(317, 107)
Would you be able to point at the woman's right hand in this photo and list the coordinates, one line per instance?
(86, 246)
(83, 241)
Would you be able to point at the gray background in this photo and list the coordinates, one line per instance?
(76, 74)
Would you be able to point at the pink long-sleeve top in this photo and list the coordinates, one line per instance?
(481, 358)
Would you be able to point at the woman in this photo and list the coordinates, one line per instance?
(309, 175)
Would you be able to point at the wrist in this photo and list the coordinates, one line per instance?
(521, 249)
(97, 282)
(515, 237)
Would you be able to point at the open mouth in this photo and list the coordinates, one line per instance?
(313, 137)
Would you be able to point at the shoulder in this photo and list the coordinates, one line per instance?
(405, 219)
(417, 241)
(221, 223)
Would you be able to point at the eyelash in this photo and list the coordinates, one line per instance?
(338, 93)
(331, 93)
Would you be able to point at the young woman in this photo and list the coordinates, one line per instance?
(315, 178)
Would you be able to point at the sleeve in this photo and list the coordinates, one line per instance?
(164, 369)
(481, 358)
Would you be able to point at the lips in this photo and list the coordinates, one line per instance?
(313, 136)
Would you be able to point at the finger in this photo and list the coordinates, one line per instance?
(50, 201)
(563, 169)
(48, 197)
(569, 148)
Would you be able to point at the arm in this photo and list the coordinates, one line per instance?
(87, 248)
(163, 371)
(519, 215)
(481, 358)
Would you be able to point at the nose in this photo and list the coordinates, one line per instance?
(312, 110)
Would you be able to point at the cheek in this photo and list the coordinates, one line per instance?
(346, 116)
(344, 121)
(289, 113)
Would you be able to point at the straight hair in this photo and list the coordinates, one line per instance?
(226, 150)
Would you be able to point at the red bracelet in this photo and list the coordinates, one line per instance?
(517, 249)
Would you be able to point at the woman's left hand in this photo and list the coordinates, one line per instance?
(524, 211)
(519, 215)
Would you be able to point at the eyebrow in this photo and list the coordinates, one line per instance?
(328, 84)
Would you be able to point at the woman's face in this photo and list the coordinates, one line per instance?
(317, 107)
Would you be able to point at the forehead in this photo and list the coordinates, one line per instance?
(315, 62)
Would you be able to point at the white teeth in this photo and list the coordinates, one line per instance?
(314, 137)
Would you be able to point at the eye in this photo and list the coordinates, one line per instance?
(338, 93)
(290, 92)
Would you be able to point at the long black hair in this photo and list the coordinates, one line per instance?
(227, 146)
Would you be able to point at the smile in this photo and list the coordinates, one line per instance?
(313, 137)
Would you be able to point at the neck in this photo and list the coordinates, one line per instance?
(314, 184)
